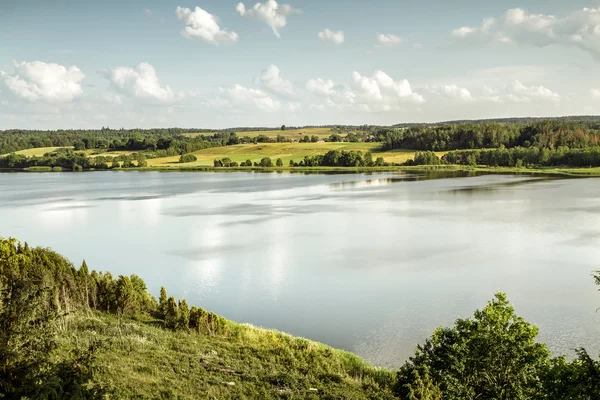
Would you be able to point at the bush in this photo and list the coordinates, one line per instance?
(493, 355)
(187, 158)
(266, 162)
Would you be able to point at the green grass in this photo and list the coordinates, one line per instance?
(288, 133)
(255, 152)
(146, 362)
(39, 151)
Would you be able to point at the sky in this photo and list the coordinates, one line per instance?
(220, 63)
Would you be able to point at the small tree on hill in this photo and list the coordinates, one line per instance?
(184, 315)
(279, 162)
(172, 314)
(283, 127)
(162, 302)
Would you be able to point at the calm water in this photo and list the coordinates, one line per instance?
(368, 263)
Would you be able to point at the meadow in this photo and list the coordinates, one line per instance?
(285, 151)
(255, 152)
(39, 151)
(144, 361)
(292, 134)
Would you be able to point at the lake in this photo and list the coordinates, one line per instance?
(371, 263)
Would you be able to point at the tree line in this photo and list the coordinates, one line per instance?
(548, 134)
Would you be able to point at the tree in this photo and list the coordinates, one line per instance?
(115, 163)
(291, 163)
(279, 162)
(248, 163)
(283, 127)
(162, 302)
(172, 314)
(493, 355)
(266, 162)
(184, 315)
(187, 158)
(125, 294)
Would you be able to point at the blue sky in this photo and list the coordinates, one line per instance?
(86, 64)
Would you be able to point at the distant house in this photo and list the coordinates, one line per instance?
(321, 141)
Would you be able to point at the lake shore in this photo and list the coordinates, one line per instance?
(547, 171)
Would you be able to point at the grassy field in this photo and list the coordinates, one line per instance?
(146, 362)
(40, 151)
(255, 152)
(288, 133)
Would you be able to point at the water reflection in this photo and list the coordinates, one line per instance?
(367, 262)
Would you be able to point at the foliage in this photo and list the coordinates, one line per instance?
(187, 158)
(493, 355)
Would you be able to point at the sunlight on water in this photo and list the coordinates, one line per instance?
(371, 263)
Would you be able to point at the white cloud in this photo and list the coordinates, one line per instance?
(112, 98)
(335, 37)
(382, 88)
(270, 13)
(456, 92)
(595, 93)
(272, 81)
(48, 82)
(205, 26)
(141, 82)
(580, 28)
(148, 12)
(518, 92)
(239, 96)
(336, 95)
(320, 86)
(388, 39)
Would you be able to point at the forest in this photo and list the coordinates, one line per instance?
(492, 355)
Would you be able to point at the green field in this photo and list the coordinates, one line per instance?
(288, 133)
(255, 152)
(39, 151)
(146, 362)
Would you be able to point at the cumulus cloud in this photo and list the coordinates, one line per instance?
(388, 40)
(203, 25)
(320, 86)
(112, 98)
(382, 88)
(35, 81)
(270, 13)
(240, 96)
(518, 92)
(580, 28)
(142, 83)
(271, 80)
(335, 37)
(456, 92)
(595, 93)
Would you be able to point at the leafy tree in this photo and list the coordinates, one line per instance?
(283, 127)
(187, 158)
(162, 302)
(218, 163)
(279, 162)
(266, 162)
(184, 315)
(248, 163)
(172, 314)
(493, 355)
(115, 163)
(125, 295)
(291, 163)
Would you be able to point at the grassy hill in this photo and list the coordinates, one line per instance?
(143, 361)
(285, 151)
